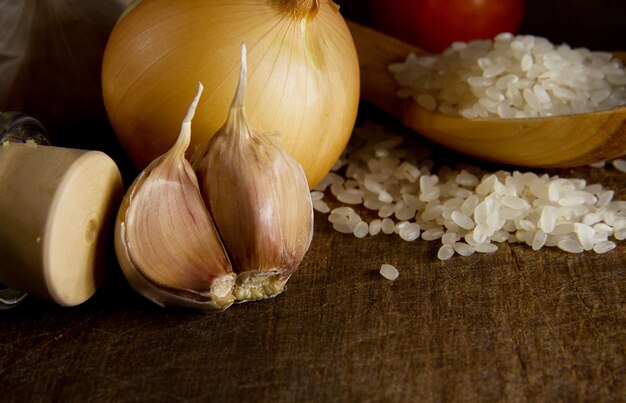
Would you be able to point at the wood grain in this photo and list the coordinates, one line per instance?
(516, 325)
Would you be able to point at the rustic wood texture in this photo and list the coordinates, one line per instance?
(516, 325)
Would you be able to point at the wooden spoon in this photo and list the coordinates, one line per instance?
(559, 141)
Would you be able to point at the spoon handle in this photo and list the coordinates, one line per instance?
(376, 51)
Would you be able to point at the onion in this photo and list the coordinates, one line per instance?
(303, 74)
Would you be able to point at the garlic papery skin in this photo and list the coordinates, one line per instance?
(259, 199)
(165, 239)
(304, 74)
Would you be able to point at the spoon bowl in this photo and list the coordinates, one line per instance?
(555, 141)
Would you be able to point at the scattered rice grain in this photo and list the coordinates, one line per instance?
(389, 272)
(445, 252)
(388, 226)
(463, 249)
(375, 226)
(449, 238)
(620, 164)
(321, 206)
(432, 234)
(462, 220)
(604, 246)
(409, 232)
(466, 212)
(361, 229)
(570, 245)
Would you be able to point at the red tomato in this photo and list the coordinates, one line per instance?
(433, 25)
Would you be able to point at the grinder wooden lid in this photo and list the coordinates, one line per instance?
(57, 206)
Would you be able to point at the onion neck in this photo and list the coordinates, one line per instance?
(300, 9)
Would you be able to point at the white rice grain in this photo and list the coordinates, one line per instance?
(321, 206)
(389, 272)
(409, 232)
(386, 210)
(462, 220)
(350, 196)
(388, 226)
(547, 220)
(570, 245)
(620, 164)
(375, 226)
(445, 252)
(463, 249)
(342, 226)
(361, 230)
(604, 246)
(466, 212)
(539, 240)
(526, 76)
(486, 248)
(432, 234)
(449, 238)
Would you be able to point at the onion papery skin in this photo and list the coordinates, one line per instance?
(303, 75)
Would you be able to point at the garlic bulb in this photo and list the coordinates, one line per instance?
(176, 250)
(259, 198)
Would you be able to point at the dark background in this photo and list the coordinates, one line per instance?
(598, 25)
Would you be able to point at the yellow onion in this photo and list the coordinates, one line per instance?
(303, 74)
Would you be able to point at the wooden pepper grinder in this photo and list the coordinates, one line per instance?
(57, 206)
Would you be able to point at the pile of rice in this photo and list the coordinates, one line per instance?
(512, 77)
(384, 184)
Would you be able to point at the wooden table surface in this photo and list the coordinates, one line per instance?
(515, 325)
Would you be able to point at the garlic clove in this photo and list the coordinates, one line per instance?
(259, 199)
(166, 242)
